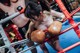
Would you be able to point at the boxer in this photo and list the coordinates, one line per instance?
(21, 21)
(42, 21)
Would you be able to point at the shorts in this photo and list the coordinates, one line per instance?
(23, 30)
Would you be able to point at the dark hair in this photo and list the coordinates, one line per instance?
(33, 9)
(44, 5)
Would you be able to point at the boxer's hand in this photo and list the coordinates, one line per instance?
(55, 28)
(38, 36)
(62, 17)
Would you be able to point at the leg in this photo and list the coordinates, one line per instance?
(22, 33)
(31, 44)
(44, 48)
(55, 44)
(23, 30)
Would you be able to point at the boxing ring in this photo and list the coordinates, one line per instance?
(73, 27)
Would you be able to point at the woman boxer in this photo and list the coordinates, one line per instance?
(12, 9)
(42, 20)
(21, 21)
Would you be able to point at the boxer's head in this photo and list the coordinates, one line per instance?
(33, 9)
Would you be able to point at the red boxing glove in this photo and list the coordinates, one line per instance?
(55, 28)
(38, 36)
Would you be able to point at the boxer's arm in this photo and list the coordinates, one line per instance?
(57, 14)
(3, 7)
(30, 29)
